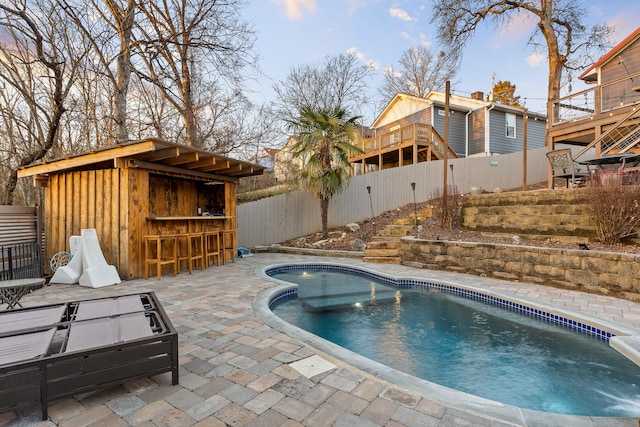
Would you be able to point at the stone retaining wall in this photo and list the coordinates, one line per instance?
(607, 273)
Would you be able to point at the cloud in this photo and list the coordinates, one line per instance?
(536, 59)
(374, 65)
(389, 71)
(424, 41)
(355, 52)
(294, 9)
(400, 14)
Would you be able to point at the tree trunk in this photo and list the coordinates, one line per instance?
(324, 210)
(11, 184)
(125, 27)
(556, 61)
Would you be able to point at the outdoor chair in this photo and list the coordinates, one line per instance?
(53, 351)
(563, 166)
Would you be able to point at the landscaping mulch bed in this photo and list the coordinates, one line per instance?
(342, 239)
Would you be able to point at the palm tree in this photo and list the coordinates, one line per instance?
(325, 138)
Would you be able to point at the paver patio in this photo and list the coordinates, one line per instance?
(236, 370)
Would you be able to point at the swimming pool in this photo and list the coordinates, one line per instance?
(394, 299)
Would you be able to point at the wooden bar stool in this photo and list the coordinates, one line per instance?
(212, 247)
(160, 250)
(183, 251)
(196, 250)
(228, 250)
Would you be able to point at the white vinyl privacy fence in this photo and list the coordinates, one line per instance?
(287, 216)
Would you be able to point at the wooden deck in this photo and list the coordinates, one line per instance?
(404, 146)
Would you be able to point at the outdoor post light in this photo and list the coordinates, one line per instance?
(415, 211)
(453, 181)
(371, 204)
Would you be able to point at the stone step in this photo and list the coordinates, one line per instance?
(536, 197)
(545, 237)
(551, 209)
(382, 260)
(384, 244)
(382, 253)
(379, 238)
(524, 220)
(409, 221)
(535, 229)
(560, 215)
(395, 230)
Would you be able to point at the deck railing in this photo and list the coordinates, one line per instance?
(606, 98)
(418, 133)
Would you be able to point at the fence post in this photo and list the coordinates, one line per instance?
(10, 264)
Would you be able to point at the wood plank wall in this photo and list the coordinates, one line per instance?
(172, 196)
(98, 199)
(117, 203)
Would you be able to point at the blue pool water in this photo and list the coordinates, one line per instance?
(464, 344)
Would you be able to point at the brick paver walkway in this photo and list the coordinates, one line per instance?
(235, 370)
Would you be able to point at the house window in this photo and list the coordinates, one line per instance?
(511, 125)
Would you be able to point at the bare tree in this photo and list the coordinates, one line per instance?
(262, 131)
(420, 72)
(116, 20)
(38, 64)
(151, 115)
(560, 28)
(183, 44)
(339, 82)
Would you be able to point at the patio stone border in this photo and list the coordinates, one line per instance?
(276, 248)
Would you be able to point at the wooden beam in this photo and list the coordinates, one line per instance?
(41, 181)
(165, 153)
(237, 167)
(180, 171)
(245, 170)
(225, 164)
(87, 159)
(201, 163)
(192, 156)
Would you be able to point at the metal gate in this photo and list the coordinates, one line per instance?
(20, 243)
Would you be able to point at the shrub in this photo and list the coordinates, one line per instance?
(446, 210)
(614, 208)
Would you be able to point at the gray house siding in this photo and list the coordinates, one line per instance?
(477, 132)
(536, 133)
(457, 128)
(501, 144)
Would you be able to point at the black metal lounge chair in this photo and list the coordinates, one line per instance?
(54, 351)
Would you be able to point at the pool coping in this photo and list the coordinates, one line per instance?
(624, 339)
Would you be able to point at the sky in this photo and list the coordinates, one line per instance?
(293, 33)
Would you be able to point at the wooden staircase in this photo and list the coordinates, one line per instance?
(384, 248)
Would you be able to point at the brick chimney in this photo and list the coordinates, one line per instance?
(478, 96)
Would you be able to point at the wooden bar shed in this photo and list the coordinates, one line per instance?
(131, 190)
